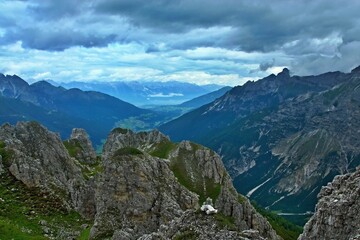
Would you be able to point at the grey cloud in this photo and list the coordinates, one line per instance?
(313, 33)
(266, 65)
(56, 40)
(152, 48)
(54, 10)
(347, 59)
(256, 25)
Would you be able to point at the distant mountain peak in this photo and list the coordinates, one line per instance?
(42, 83)
(285, 73)
(356, 70)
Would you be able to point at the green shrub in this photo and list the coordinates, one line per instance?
(127, 151)
(73, 146)
(194, 180)
(22, 209)
(163, 149)
(6, 154)
(227, 222)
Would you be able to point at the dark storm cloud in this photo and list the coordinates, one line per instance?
(266, 65)
(256, 25)
(56, 40)
(306, 35)
(54, 10)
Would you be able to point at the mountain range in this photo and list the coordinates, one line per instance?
(61, 109)
(282, 137)
(205, 99)
(145, 93)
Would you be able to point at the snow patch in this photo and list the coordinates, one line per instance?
(256, 188)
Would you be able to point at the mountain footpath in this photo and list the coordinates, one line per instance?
(143, 187)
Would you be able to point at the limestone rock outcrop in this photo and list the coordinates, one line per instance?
(151, 188)
(85, 151)
(337, 213)
(40, 160)
(144, 186)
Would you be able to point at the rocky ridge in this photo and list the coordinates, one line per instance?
(158, 188)
(284, 136)
(145, 186)
(40, 160)
(337, 212)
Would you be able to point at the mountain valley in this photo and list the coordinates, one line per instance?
(282, 139)
(283, 136)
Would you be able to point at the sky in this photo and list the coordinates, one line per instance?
(225, 42)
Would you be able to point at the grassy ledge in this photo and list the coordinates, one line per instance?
(163, 149)
(190, 175)
(127, 151)
(31, 214)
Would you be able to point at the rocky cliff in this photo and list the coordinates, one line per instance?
(337, 212)
(40, 160)
(144, 187)
(152, 188)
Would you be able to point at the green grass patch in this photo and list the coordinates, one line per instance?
(30, 214)
(90, 170)
(212, 190)
(163, 149)
(241, 199)
(285, 229)
(223, 221)
(85, 234)
(6, 154)
(127, 151)
(190, 175)
(73, 146)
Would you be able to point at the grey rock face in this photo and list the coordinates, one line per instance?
(204, 163)
(137, 192)
(147, 188)
(120, 138)
(194, 225)
(86, 153)
(40, 160)
(141, 196)
(337, 213)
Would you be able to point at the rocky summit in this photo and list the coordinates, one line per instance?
(143, 187)
(152, 188)
(338, 210)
